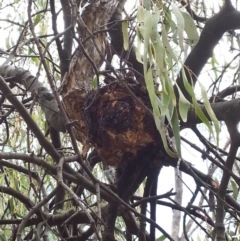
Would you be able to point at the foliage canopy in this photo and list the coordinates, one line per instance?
(96, 99)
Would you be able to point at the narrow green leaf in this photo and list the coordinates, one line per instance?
(155, 20)
(7, 42)
(18, 214)
(235, 189)
(184, 105)
(170, 89)
(125, 35)
(210, 112)
(161, 129)
(16, 186)
(165, 97)
(147, 32)
(151, 92)
(94, 83)
(168, 98)
(154, 52)
(180, 24)
(161, 238)
(187, 86)
(35, 60)
(43, 28)
(190, 28)
(139, 44)
(159, 120)
(167, 45)
(11, 204)
(160, 62)
(196, 107)
(37, 19)
(176, 131)
(202, 117)
(168, 18)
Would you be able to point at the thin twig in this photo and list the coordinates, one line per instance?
(33, 211)
(74, 196)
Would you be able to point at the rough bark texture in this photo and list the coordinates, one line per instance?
(117, 124)
(77, 82)
(109, 118)
(44, 97)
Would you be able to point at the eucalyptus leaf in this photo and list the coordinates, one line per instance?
(176, 131)
(235, 189)
(161, 238)
(184, 105)
(180, 24)
(190, 28)
(210, 112)
(125, 35)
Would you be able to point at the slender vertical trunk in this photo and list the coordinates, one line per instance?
(176, 218)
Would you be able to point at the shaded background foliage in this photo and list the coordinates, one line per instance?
(95, 99)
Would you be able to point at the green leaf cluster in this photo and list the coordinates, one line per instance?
(156, 52)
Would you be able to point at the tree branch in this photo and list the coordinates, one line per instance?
(34, 210)
(28, 119)
(45, 99)
(213, 31)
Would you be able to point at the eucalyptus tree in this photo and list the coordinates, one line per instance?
(95, 98)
